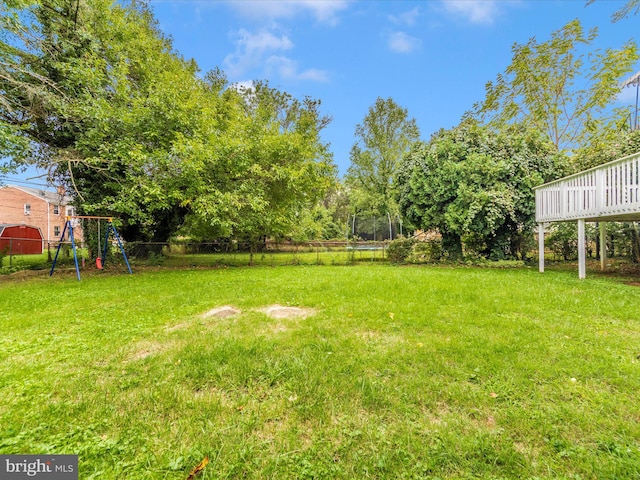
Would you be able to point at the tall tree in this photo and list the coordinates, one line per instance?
(542, 86)
(383, 137)
(255, 175)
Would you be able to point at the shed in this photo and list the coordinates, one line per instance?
(21, 239)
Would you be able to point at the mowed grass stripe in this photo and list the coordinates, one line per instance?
(402, 372)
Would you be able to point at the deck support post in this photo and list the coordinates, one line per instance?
(582, 254)
(541, 247)
(603, 246)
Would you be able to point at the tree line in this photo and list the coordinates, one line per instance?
(93, 93)
(549, 114)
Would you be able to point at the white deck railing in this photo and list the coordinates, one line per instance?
(607, 192)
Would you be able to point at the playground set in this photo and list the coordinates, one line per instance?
(100, 261)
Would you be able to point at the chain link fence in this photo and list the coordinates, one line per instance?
(232, 253)
(13, 248)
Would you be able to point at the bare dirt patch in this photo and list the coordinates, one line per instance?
(282, 312)
(146, 349)
(225, 311)
(175, 328)
(378, 338)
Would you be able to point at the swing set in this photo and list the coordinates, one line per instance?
(111, 229)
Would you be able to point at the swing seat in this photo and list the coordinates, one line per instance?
(99, 263)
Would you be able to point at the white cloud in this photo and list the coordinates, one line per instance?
(263, 50)
(244, 85)
(287, 69)
(400, 42)
(406, 18)
(473, 11)
(252, 48)
(324, 11)
(263, 40)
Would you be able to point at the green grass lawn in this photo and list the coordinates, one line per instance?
(403, 372)
(303, 256)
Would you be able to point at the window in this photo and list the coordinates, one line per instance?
(27, 209)
(56, 231)
(56, 209)
(71, 211)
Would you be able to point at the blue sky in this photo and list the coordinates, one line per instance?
(432, 57)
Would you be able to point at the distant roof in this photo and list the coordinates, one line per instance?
(7, 225)
(48, 195)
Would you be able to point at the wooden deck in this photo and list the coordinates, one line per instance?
(607, 193)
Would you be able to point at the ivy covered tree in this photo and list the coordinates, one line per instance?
(475, 186)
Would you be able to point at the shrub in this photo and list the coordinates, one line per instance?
(3, 253)
(429, 251)
(563, 241)
(399, 250)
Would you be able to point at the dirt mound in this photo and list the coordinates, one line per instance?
(279, 311)
(225, 311)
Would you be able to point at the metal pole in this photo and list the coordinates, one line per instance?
(55, 259)
(73, 247)
(124, 255)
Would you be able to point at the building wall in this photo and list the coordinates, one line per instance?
(41, 213)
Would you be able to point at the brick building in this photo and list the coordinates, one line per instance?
(38, 208)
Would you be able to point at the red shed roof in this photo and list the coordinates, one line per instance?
(30, 227)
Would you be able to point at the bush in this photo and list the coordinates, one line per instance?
(429, 251)
(398, 251)
(563, 241)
